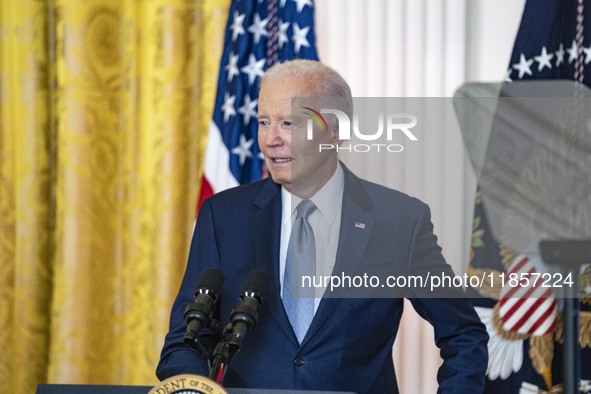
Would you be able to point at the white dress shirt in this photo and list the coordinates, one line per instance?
(325, 222)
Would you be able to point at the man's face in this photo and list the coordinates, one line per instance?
(292, 160)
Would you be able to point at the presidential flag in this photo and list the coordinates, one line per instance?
(553, 42)
(258, 34)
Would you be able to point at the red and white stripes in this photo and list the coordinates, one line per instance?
(526, 307)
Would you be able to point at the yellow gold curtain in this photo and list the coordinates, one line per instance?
(104, 107)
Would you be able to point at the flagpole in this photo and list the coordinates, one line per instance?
(569, 256)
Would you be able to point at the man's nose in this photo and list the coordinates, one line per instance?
(274, 136)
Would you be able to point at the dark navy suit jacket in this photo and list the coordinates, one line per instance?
(348, 346)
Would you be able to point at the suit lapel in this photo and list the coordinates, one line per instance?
(355, 232)
(267, 237)
(356, 226)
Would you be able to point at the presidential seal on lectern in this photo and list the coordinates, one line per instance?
(188, 384)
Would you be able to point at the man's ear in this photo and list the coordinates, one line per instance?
(334, 129)
(335, 132)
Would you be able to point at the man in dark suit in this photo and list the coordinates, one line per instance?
(358, 228)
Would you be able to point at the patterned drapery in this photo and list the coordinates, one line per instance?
(104, 107)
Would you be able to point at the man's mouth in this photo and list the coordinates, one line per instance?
(280, 160)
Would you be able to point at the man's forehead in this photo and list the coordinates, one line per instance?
(286, 107)
(274, 104)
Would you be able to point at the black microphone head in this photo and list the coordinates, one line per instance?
(211, 279)
(257, 282)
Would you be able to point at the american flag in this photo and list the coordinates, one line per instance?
(258, 34)
(553, 42)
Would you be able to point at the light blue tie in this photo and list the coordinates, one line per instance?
(300, 261)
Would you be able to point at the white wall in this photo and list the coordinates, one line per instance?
(491, 29)
(421, 48)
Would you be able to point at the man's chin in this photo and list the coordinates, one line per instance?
(280, 180)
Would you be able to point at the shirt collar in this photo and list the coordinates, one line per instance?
(328, 199)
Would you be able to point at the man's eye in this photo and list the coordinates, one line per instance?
(287, 123)
(263, 122)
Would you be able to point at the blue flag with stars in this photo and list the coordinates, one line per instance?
(258, 34)
(553, 42)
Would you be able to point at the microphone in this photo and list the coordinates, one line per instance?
(244, 317)
(200, 314)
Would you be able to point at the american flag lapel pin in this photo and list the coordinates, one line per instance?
(360, 225)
